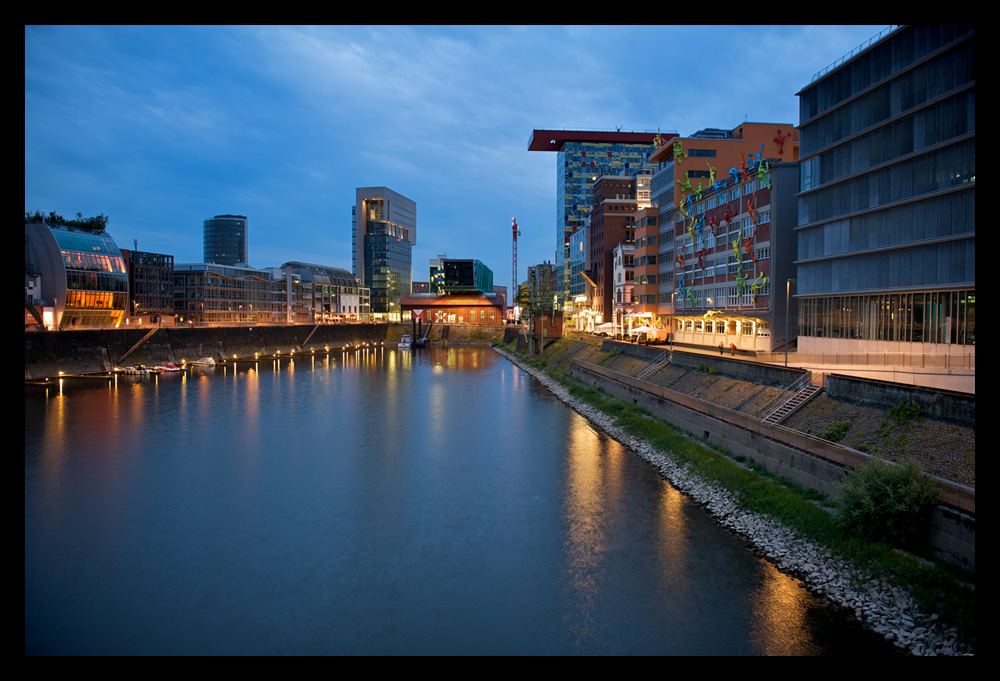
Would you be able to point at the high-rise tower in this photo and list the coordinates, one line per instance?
(583, 156)
(383, 233)
(225, 240)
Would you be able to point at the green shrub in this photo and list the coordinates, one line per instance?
(834, 432)
(886, 502)
(902, 413)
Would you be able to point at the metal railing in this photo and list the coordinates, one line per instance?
(876, 359)
(857, 50)
(788, 393)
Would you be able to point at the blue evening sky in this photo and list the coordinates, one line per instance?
(161, 127)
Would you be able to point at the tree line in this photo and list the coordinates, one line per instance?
(95, 224)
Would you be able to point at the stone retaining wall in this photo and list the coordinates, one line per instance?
(941, 404)
(804, 460)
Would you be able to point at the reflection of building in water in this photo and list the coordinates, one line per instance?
(73, 277)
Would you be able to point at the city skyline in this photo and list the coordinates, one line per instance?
(161, 128)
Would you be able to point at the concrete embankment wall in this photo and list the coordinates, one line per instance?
(47, 353)
(804, 460)
(939, 404)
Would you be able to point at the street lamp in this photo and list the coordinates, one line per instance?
(788, 290)
(670, 328)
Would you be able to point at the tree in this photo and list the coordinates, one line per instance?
(886, 502)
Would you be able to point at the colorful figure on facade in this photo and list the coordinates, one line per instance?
(749, 248)
(741, 282)
(758, 283)
(712, 222)
(780, 139)
(762, 172)
(751, 209)
(679, 153)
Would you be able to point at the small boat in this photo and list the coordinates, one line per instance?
(168, 366)
(135, 369)
(203, 362)
(405, 342)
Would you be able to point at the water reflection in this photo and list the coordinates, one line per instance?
(374, 502)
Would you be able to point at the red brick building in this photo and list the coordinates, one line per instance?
(612, 221)
(454, 309)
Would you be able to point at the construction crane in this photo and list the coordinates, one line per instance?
(513, 279)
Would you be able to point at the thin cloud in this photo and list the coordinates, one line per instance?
(162, 127)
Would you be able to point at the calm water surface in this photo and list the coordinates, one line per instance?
(438, 501)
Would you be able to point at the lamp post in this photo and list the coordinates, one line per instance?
(670, 332)
(788, 291)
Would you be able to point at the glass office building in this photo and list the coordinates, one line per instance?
(887, 205)
(83, 277)
(225, 240)
(383, 233)
(582, 157)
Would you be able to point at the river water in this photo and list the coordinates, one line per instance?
(434, 502)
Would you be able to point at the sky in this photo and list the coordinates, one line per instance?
(161, 127)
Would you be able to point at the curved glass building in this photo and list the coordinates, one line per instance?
(225, 240)
(83, 277)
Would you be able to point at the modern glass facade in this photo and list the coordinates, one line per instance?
(582, 157)
(578, 262)
(383, 233)
(933, 317)
(225, 240)
(461, 276)
(388, 267)
(887, 214)
(82, 275)
(96, 280)
(578, 166)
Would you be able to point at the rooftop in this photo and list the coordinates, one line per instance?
(553, 139)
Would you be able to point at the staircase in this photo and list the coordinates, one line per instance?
(136, 346)
(654, 366)
(785, 409)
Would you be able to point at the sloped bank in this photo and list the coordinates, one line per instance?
(887, 609)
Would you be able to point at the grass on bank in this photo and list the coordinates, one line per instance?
(939, 587)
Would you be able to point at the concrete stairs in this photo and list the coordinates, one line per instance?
(655, 365)
(785, 409)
